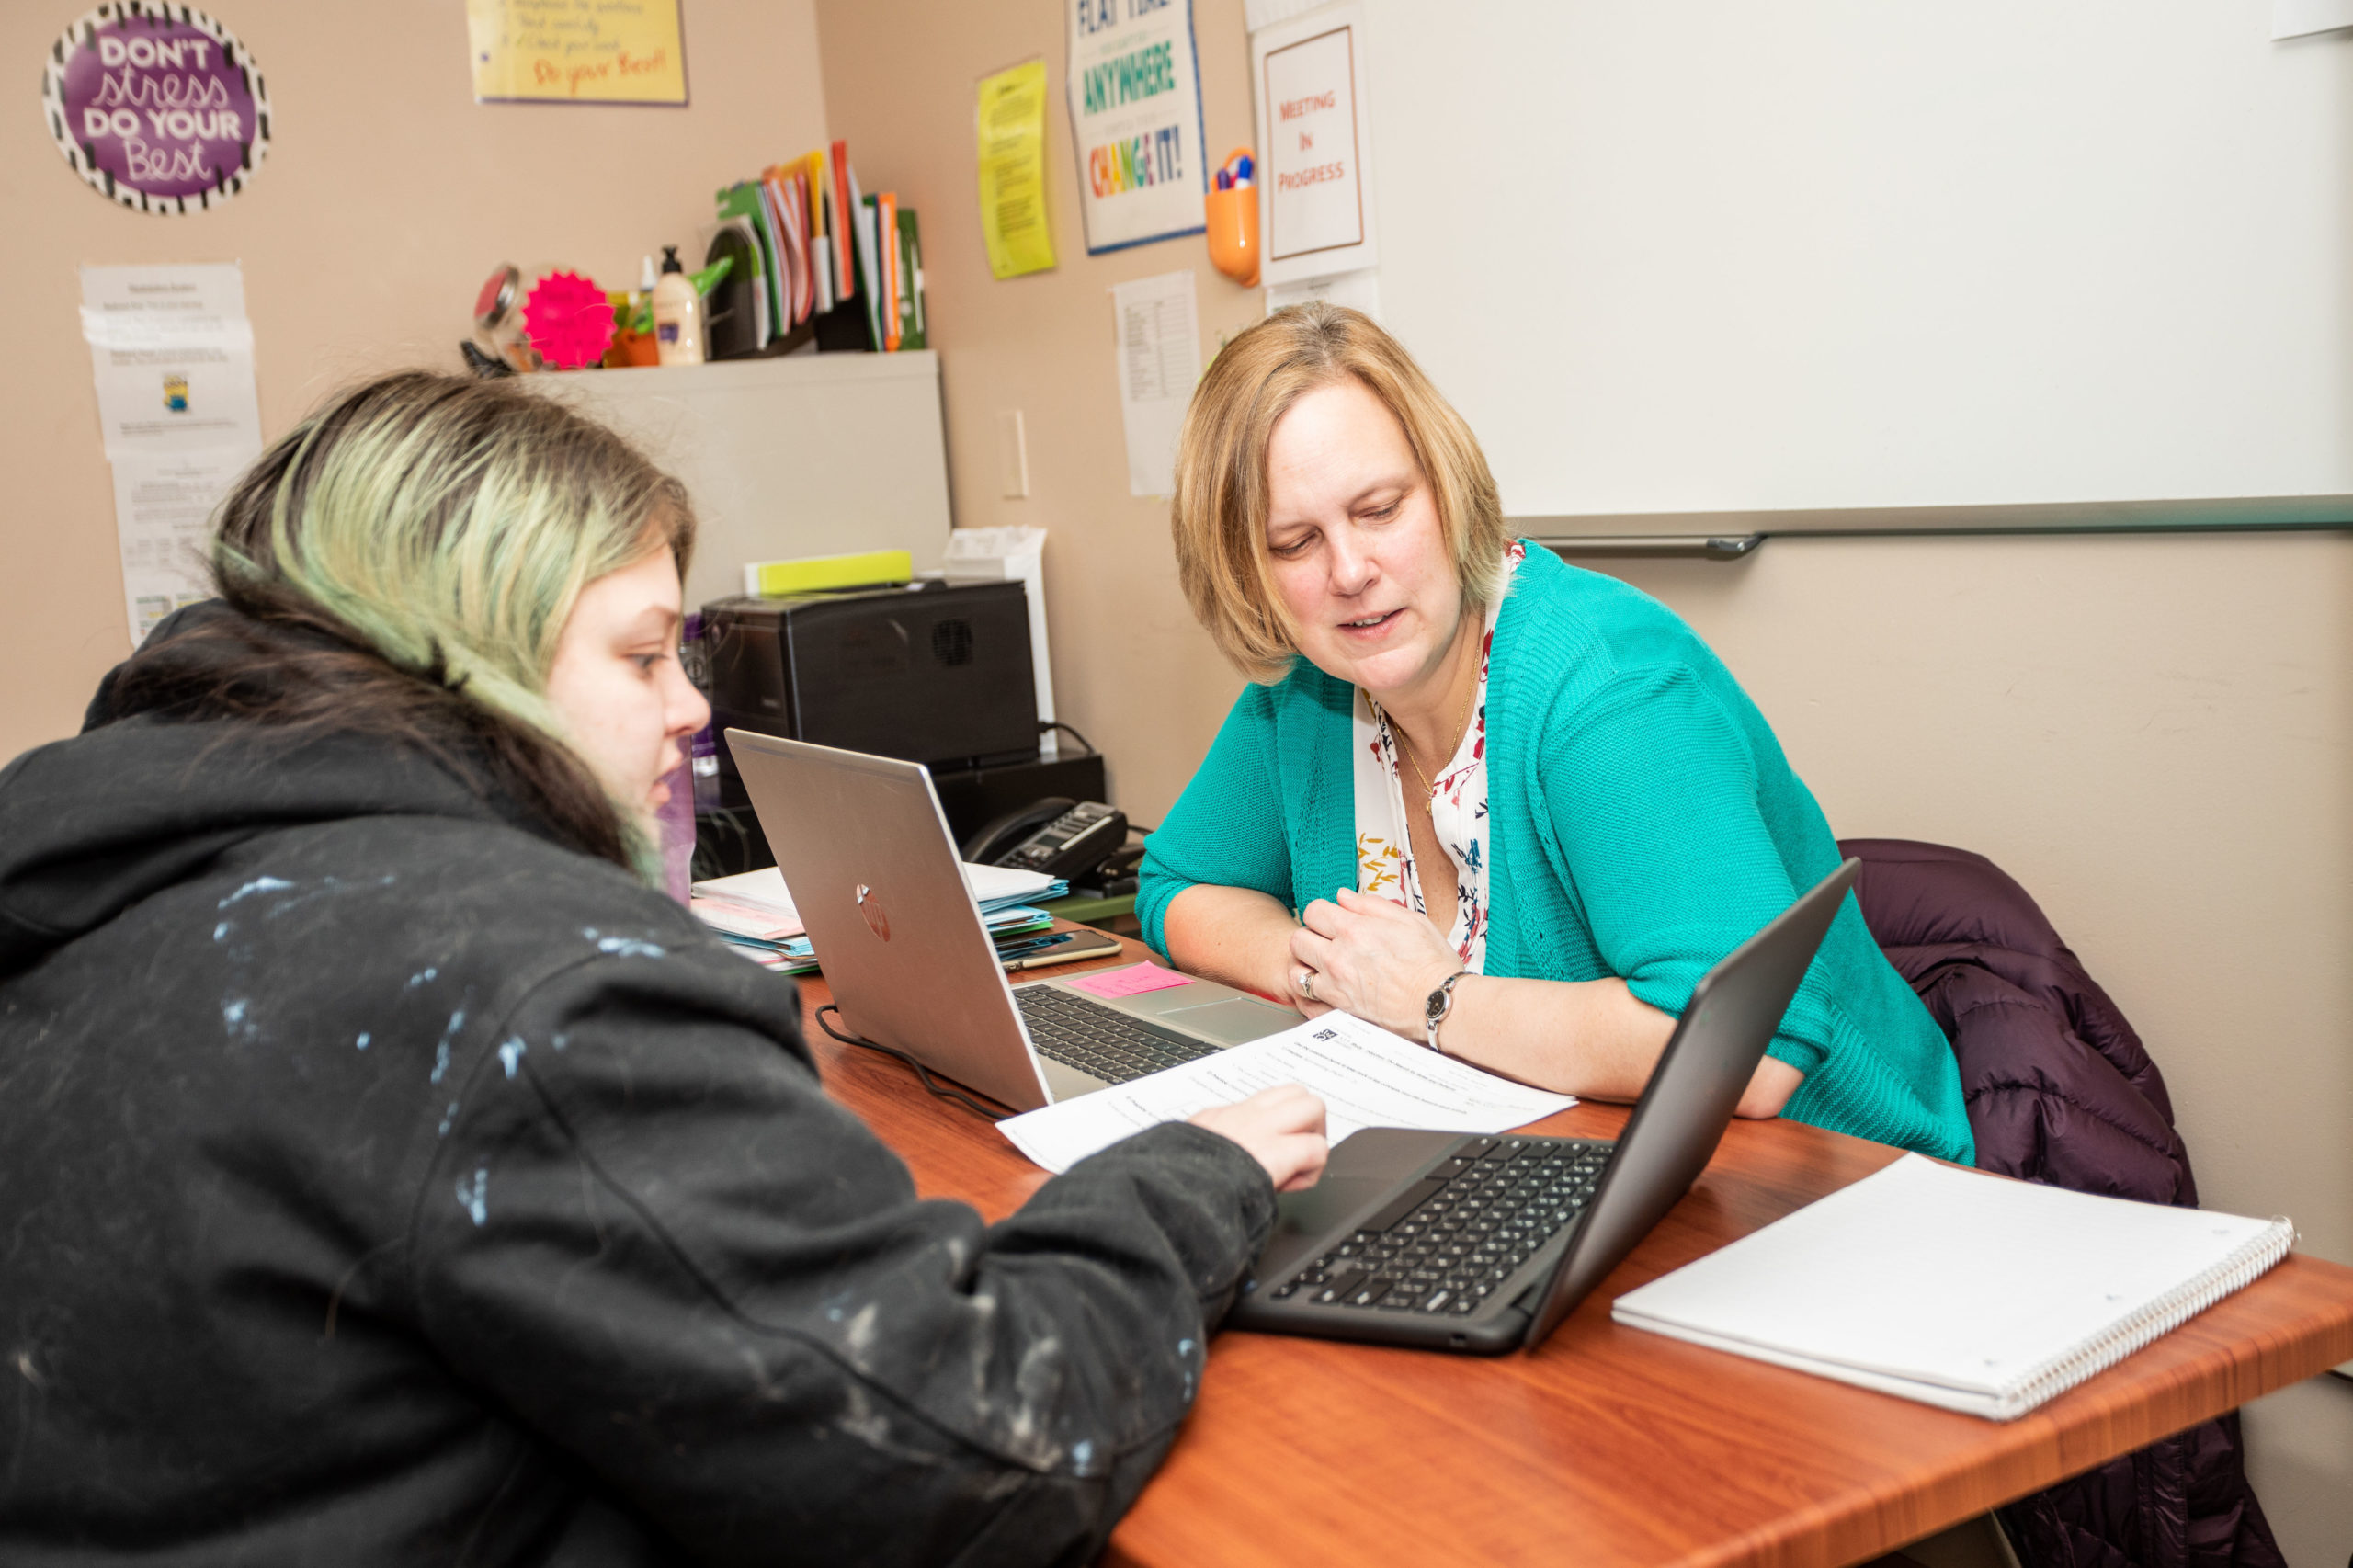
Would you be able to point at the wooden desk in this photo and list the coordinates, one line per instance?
(1608, 1446)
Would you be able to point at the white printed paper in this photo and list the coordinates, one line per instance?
(163, 508)
(172, 355)
(1011, 554)
(1365, 1077)
(1160, 359)
(1315, 179)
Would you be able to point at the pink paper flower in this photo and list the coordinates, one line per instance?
(569, 320)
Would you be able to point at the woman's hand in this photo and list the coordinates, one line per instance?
(1373, 958)
(1239, 936)
(1281, 1128)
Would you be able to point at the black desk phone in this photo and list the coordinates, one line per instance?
(1058, 835)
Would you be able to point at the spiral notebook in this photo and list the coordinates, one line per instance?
(1958, 1289)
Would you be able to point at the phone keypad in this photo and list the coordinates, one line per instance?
(1073, 823)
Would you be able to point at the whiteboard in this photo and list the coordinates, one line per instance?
(1854, 263)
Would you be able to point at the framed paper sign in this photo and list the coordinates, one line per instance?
(1135, 121)
(1315, 180)
(581, 51)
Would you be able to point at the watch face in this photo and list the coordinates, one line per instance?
(1435, 1008)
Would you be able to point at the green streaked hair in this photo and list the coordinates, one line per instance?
(446, 526)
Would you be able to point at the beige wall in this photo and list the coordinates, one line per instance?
(387, 195)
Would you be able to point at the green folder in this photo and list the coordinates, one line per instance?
(911, 333)
(743, 200)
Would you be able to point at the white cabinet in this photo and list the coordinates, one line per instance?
(810, 454)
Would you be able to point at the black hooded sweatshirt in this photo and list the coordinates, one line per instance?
(381, 1182)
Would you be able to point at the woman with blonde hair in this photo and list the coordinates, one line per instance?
(390, 1174)
(1506, 808)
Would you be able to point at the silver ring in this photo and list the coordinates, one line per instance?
(1307, 984)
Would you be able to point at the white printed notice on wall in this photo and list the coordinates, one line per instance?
(1135, 120)
(173, 357)
(1160, 359)
(1315, 178)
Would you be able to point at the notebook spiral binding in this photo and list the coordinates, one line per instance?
(2167, 1312)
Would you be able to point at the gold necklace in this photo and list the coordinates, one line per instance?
(1428, 793)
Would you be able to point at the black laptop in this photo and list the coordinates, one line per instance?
(1483, 1245)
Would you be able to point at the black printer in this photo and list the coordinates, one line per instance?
(931, 673)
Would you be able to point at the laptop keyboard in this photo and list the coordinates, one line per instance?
(1101, 1041)
(1446, 1244)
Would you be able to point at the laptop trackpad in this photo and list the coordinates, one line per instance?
(1233, 1021)
(1305, 1221)
(1366, 1168)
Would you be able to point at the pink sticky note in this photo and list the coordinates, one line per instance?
(1132, 981)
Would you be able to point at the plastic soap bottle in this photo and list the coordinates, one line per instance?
(678, 313)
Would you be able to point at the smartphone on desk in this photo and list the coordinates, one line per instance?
(1062, 946)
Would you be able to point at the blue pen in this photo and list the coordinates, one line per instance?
(1243, 169)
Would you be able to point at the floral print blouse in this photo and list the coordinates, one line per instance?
(1458, 810)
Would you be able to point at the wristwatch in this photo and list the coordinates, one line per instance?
(1440, 1002)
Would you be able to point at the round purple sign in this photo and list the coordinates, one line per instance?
(156, 106)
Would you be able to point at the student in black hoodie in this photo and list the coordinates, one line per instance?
(388, 1173)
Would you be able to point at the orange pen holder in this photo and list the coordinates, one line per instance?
(1232, 217)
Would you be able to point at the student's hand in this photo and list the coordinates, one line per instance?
(1377, 959)
(1283, 1129)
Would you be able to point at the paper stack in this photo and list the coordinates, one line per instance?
(754, 913)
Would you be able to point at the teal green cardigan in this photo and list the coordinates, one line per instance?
(1642, 823)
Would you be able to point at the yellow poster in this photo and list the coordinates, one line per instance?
(610, 52)
(1012, 121)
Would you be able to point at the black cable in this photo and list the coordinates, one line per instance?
(934, 1085)
(1121, 862)
(1046, 724)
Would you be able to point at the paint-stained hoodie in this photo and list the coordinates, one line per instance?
(382, 1183)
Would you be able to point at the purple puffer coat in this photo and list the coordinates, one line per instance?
(2059, 1091)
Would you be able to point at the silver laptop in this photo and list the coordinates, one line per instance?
(866, 855)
